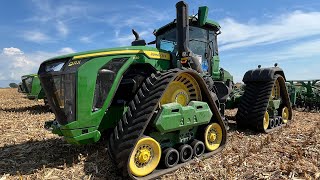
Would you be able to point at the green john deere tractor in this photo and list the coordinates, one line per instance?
(159, 106)
(30, 85)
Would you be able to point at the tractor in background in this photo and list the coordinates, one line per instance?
(31, 87)
(159, 107)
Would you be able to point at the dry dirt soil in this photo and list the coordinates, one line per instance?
(28, 151)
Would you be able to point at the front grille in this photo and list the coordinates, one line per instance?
(60, 90)
(59, 84)
(27, 82)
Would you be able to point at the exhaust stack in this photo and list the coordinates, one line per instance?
(184, 53)
(182, 29)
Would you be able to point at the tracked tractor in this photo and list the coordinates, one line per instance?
(161, 106)
(30, 85)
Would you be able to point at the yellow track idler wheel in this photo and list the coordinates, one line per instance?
(213, 136)
(183, 89)
(266, 121)
(275, 93)
(285, 115)
(145, 157)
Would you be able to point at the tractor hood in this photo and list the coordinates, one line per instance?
(61, 76)
(28, 75)
(150, 52)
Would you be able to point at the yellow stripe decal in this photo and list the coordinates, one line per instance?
(150, 54)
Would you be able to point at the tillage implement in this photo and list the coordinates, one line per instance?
(304, 94)
(161, 106)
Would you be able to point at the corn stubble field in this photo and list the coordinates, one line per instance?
(28, 151)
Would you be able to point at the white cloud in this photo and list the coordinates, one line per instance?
(11, 51)
(54, 18)
(303, 50)
(36, 36)
(62, 28)
(289, 26)
(66, 50)
(15, 63)
(52, 11)
(298, 60)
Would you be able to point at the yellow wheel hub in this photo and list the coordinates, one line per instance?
(145, 157)
(275, 93)
(285, 115)
(266, 120)
(213, 136)
(183, 89)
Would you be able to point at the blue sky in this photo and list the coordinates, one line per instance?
(253, 32)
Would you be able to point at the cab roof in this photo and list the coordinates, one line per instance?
(193, 21)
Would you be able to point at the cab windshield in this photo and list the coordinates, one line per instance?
(202, 42)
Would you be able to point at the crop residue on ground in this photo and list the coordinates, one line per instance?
(28, 151)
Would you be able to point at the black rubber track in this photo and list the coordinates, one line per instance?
(134, 122)
(254, 103)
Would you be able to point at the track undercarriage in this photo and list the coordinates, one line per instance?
(265, 104)
(144, 150)
(133, 142)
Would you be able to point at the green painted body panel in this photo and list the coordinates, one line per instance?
(87, 138)
(174, 116)
(202, 15)
(215, 68)
(148, 48)
(274, 104)
(213, 23)
(86, 81)
(112, 116)
(36, 91)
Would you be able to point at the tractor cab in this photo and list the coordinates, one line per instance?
(201, 41)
